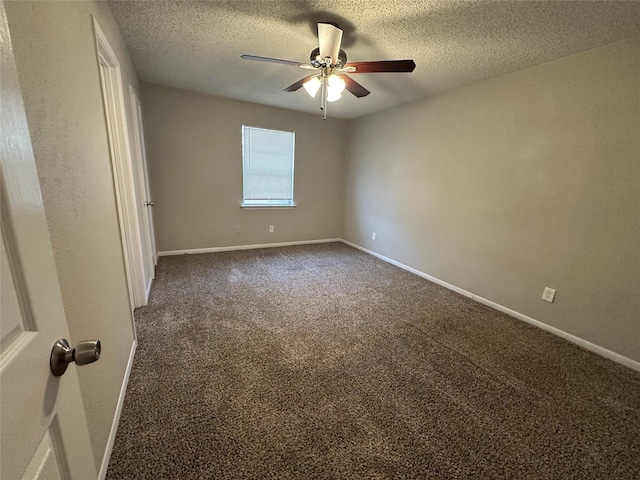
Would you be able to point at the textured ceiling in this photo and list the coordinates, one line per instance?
(197, 45)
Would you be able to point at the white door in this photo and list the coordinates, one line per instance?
(144, 199)
(123, 170)
(44, 430)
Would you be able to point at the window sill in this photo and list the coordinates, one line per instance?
(269, 207)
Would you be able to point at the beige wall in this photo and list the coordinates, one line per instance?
(58, 71)
(195, 161)
(501, 188)
(520, 182)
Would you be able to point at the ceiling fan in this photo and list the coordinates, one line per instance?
(330, 65)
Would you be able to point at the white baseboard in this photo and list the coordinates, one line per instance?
(244, 247)
(627, 362)
(116, 417)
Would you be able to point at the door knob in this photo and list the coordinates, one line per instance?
(85, 352)
(149, 204)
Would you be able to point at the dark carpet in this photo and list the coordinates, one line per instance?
(323, 362)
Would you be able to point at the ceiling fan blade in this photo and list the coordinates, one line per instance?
(271, 60)
(383, 66)
(329, 39)
(296, 86)
(354, 87)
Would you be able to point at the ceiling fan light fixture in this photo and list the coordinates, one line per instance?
(333, 96)
(312, 86)
(335, 84)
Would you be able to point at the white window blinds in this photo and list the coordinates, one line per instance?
(267, 167)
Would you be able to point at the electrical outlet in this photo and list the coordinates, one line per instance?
(373, 235)
(548, 295)
(236, 229)
(272, 228)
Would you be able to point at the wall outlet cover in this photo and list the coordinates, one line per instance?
(548, 295)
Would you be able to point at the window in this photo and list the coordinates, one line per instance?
(267, 167)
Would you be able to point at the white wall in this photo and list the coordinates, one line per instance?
(520, 182)
(195, 160)
(58, 71)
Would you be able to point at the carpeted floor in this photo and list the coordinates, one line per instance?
(322, 362)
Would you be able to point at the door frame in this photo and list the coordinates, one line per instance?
(123, 176)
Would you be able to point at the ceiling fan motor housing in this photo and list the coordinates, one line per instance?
(317, 61)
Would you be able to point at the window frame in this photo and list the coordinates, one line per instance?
(250, 204)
